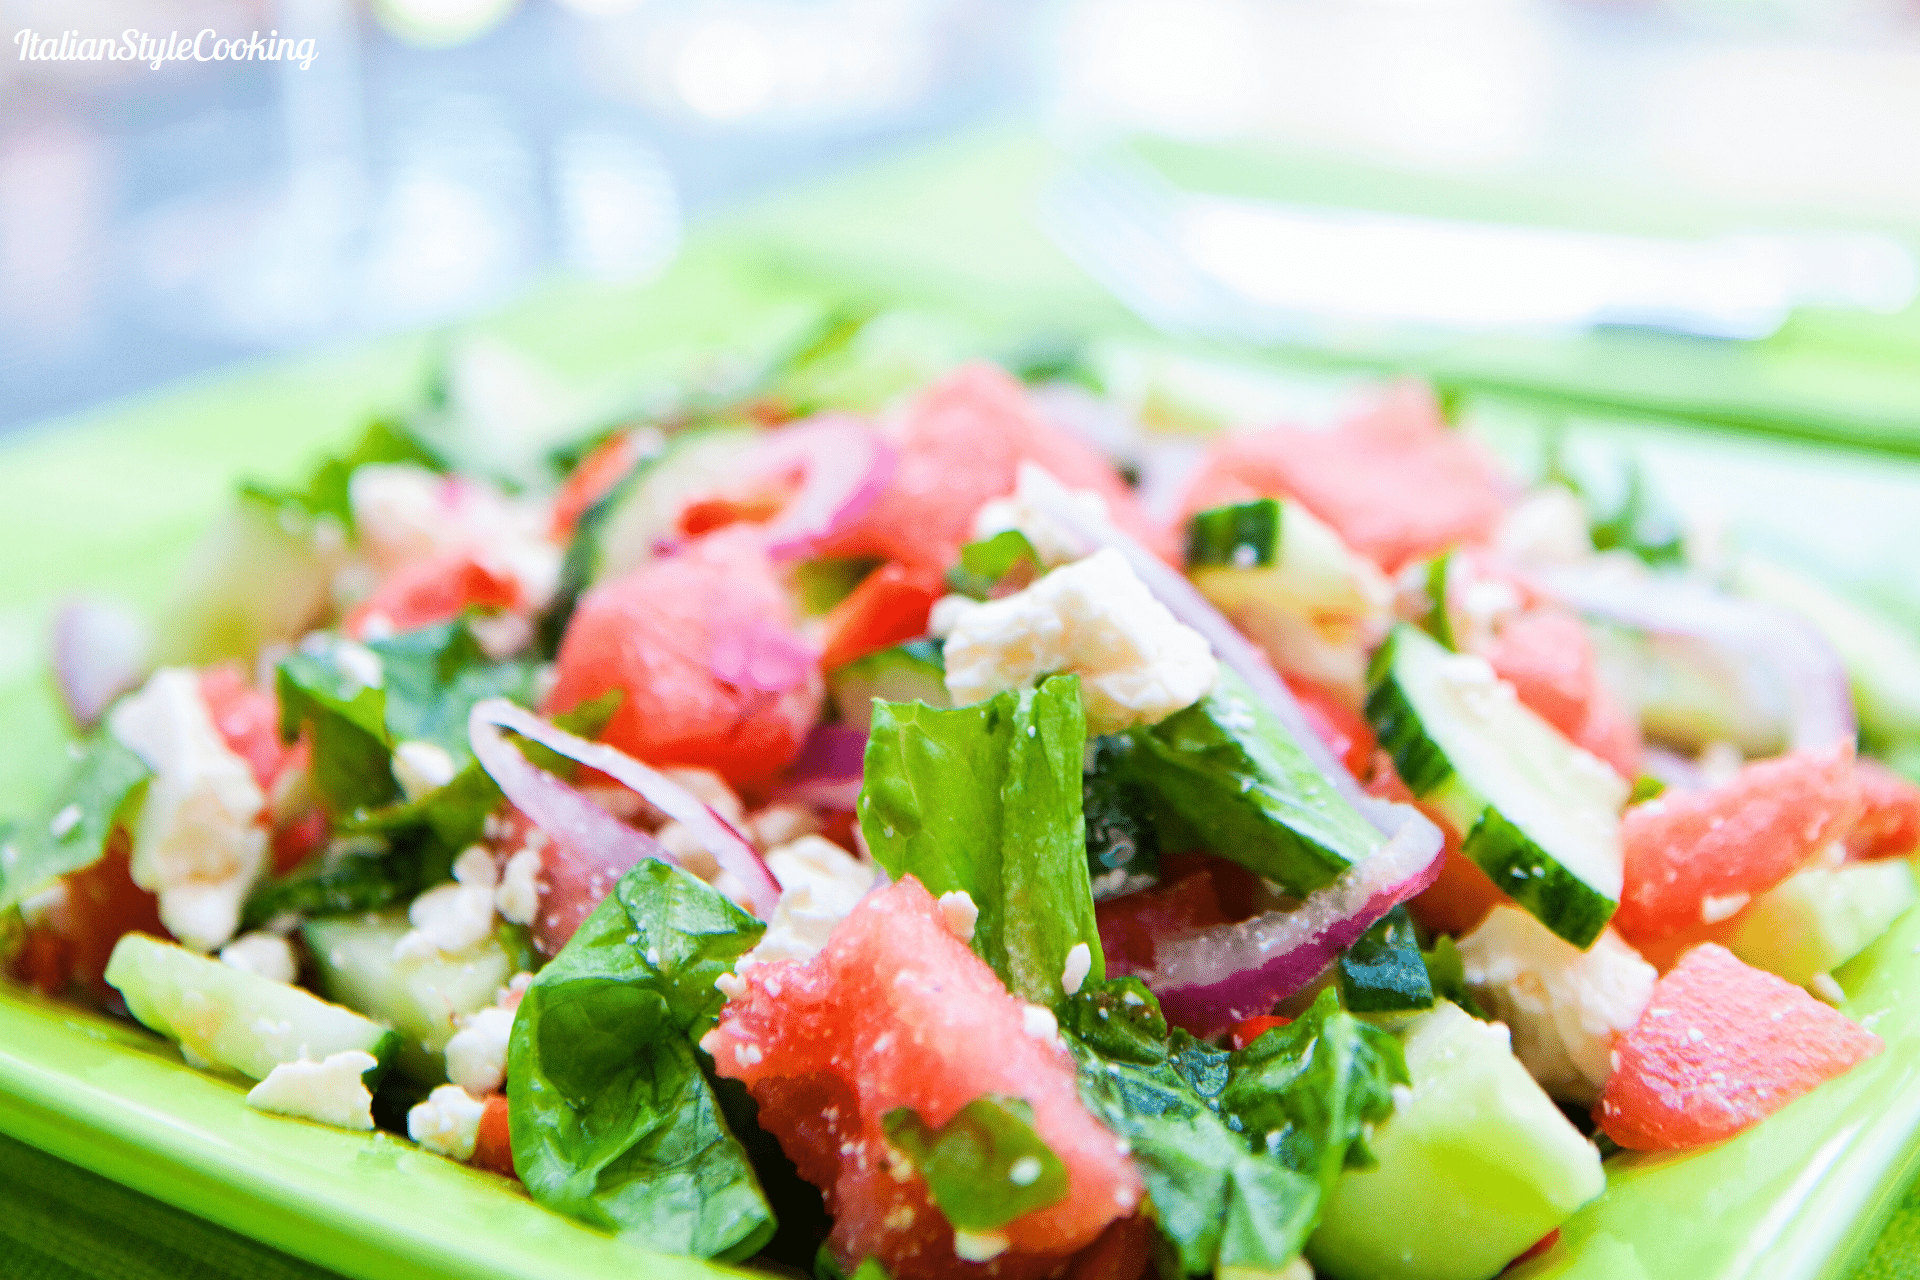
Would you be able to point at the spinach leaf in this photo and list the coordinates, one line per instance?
(1121, 833)
(984, 563)
(327, 490)
(1383, 972)
(614, 1121)
(352, 750)
(435, 675)
(986, 799)
(355, 874)
(70, 831)
(984, 1167)
(1448, 974)
(1308, 1092)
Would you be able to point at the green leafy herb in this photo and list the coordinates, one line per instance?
(1646, 787)
(1448, 975)
(1308, 1092)
(352, 750)
(327, 491)
(356, 874)
(1121, 833)
(984, 1167)
(827, 1267)
(986, 799)
(435, 675)
(70, 831)
(982, 565)
(1439, 620)
(1229, 767)
(822, 584)
(1383, 972)
(614, 1121)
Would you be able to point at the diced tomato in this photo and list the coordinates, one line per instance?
(592, 480)
(1124, 1251)
(1348, 736)
(761, 502)
(435, 590)
(102, 904)
(493, 1144)
(890, 606)
(45, 962)
(1247, 1030)
(1196, 891)
(1889, 821)
(248, 721)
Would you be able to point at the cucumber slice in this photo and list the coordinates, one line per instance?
(1475, 1165)
(911, 672)
(694, 464)
(1540, 816)
(422, 998)
(224, 1016)
(1229, 768)
(1816, 921)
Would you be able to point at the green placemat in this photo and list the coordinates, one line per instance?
(949, 230)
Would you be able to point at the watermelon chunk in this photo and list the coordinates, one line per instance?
(1721, 1046)
(1695, 859)
(961, 442)
(1547, 656)
(1889, 822)
(1394, 482)
(897, 1012)
(657, 634)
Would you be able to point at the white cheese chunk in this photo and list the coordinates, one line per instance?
(517, 896)
(331, 1091)
(820, 885)
(447, 1122)
(198, 843)
(1137, 663)
(477, 1052)
(267, 955)
(421, 768)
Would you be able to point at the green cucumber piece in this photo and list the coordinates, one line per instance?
(694, 464)
(227, 1017)
(1475, 1165)
(1277, 552)
(1540, 816)
(911, 672)
(1815, 921)
(422, 998)
(1231, 770)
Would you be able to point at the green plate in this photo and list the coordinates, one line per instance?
(114, 501)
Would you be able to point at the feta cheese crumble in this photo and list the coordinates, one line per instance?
(979, 1246)
(1055, 544)
(477, 1052)
(331, 1091)
(421, 768)
(1137, 663)
(517, 896)
(198, 843)
(447, 1122)
(267, 955)
(820, 884)
(1079, 965)
(1564, 1006)
(959, 913)
(453, 917)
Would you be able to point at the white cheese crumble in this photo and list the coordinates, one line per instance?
(959, 913)
(979, 1246)
(820, 885)
(198, 843)
(1038, 1021)
(267, 955)
(447, 918)
(779, 824)
(517, 896)
(1137, 663)
(477, 1052)
(1564, 1006)
(421, 768)
(447, 1122)
(1054, 543)
(331, 1091)
(1079, 965)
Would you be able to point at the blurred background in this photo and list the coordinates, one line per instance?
(438, 156)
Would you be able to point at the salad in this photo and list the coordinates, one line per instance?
(969, 832)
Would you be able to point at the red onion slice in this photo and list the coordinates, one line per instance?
(566, 815)
(729, 848)
(1214, 977)
(761, 656)
(1186, 603)
(1809, 674)
(100, 651)
(846, 466)
(829, 770)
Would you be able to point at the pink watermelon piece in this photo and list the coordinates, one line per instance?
(1547, 656)
(1889, 822)
(897, 1012)
(1394, 482)
(1693, 858)
(668, 634)
(961, 442)
(1721, 1046)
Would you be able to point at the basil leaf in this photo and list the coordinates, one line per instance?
(1383, 972)
(1308, 1092)
(614, 1121)
(70, 831)
(1119, 1019)
(1122, 836)
(435, 675)
(352, 750)
(354, 875)
(986, 799)
(984, 1167)
(327, 491)
(983, 564)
